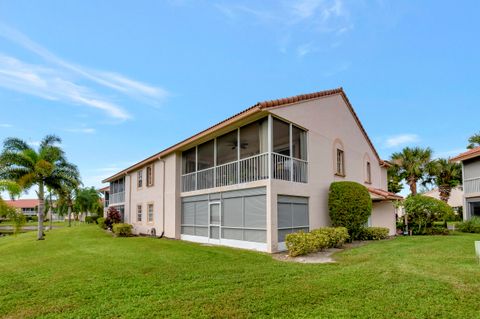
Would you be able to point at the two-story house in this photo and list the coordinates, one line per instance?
(255, 177)
(470, 161)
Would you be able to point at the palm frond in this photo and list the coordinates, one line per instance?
(15, 145)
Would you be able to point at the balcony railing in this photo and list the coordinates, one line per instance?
(471, 185)
(117, 198)
(246, 170)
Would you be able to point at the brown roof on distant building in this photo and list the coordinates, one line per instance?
(260, 106)
(474, 152)
(383, 193)
(106, 188)
(23, 203)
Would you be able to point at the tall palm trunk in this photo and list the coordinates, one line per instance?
(41, 198)
(413, 186)
(69, 215)
(444, 191)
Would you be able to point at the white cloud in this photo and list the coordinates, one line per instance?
(60, 79)
(401, 139)
(53, 85)
(86, 130)
(5, 125)
(292, 20)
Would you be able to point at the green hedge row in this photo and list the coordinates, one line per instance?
(302, 243)
(470, 226)
(373, 233)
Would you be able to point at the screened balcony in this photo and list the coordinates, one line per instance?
(267, 148)
(117, 192)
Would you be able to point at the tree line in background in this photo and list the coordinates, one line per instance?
(56, 179)
(414, 165)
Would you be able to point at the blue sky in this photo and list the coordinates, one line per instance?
(121, 80)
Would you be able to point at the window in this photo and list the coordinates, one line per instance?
(150, 213)
(150, 175)
(139, 213)
(292, 215)
(140, 178)
(227, 148)
(253, 138)
(369, 173)
(299, 143)
(206, 155)
(281, 137)
(340, 163)
(188, 161)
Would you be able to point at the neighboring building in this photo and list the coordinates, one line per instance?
(456, 196)
(105, 191)
(28, 207)
(256, 176)
(471, 181)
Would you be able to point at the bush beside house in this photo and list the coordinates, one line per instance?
(122, 230)
(374, 233)
(302, 243)
(422, 212)
(349, 205)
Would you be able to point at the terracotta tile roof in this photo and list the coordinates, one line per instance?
(383, 193)
(23, 203)
(474, 152)
(258, 107)
(106, 188)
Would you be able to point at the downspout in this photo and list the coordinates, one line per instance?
(163, 197)
(129, 197)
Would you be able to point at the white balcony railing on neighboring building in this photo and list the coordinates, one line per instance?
(471, 185)
(117, 198)
(246, 170)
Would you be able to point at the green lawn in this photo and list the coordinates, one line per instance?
(83, 272)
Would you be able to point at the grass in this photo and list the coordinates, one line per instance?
(84, 272)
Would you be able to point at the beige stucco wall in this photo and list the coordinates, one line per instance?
(383, 215)
(455, 199)
(155, 195)
(328, 120)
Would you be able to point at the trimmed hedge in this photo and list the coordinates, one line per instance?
(349, 205)
(122, 230)
(470, 226)
(302, 243)
(373, 233)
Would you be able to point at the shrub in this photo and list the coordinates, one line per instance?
(299, 243)
(349, 206)
(374, 233)
(437, 230)
(34, 219)
(302, 243)
(122, 230)
(337, 236)
(101, 223)
(91, 219)
(470, 226)
(423, 211)
(113, 217)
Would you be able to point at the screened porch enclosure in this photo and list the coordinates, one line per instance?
(228, 218)
(266, 148)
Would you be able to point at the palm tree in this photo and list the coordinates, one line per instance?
(87, 200)
(446, 175)
(412, 165)
(66, 197)
(45, 167)
(474, 141)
